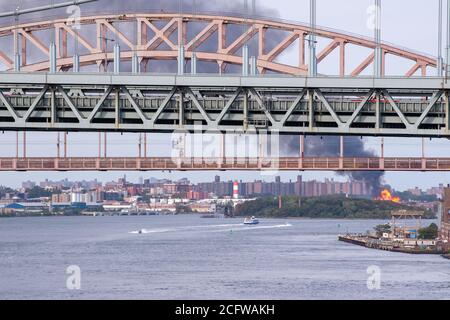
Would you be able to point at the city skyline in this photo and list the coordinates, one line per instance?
(67, 184)
(330, 14)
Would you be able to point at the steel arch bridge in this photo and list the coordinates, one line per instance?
(288, 102)
(158, 37)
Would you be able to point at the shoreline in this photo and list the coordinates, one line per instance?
(198, 214)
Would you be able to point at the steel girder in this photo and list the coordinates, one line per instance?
(215, 39)
(285, 105)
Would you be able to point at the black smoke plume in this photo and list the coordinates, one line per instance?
(329, 146)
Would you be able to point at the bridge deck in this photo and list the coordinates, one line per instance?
(228, 164)
(414, 107)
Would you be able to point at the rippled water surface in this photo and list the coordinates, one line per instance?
(187, 257)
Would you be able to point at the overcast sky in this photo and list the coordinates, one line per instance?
(407, 23)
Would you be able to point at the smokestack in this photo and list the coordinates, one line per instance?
(235, 190)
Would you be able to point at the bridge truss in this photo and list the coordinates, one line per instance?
(415, 107)
(213, 39)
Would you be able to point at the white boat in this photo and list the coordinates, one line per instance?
(252, 220)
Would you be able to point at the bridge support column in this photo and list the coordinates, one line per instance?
(138, 163)
(222, 150)
(135, 64)
(17, 62)
(116, 58)
(52, 51)
(312, 40)
(446, 111)
(181, 58)
(302, 151)
(17, 144)
(24, 144)
(181, 109)
(145, 145)
(99, 144)
(104, 150)
(140, 145)
(424, 162)
(377, 111)
(58, 141)
(76, 63)
(17, 57)
(439, 58)
(253, 66)
(245, 60)
(245, 111)
(311, 109)
(378, 57)
(117, 107)
(65, 144)
(194, 64)
(447, 67)
(341, 152)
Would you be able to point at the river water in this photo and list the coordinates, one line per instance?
(187, 257)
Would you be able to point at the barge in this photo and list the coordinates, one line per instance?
(405, 246)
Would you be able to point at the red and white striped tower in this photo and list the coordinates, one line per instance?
(235, 190)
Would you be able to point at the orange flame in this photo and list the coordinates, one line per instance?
(387, 196)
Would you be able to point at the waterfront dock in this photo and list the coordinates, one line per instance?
(423, 247)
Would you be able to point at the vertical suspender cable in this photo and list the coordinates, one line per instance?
(312, 40)
(439, 59)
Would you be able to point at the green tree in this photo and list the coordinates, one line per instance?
(429, 233)
(382, 228)
(38, 192)
(339, 207)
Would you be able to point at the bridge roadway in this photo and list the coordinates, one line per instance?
(363, 106)
(224, 164)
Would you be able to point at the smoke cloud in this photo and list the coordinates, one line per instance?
(328, 146)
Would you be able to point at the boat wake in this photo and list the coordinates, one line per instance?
(213, 228)
(245, 228)
(145, 231)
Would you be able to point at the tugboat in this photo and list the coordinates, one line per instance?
(251, 221)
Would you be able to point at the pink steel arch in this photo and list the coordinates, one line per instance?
(150, 48)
